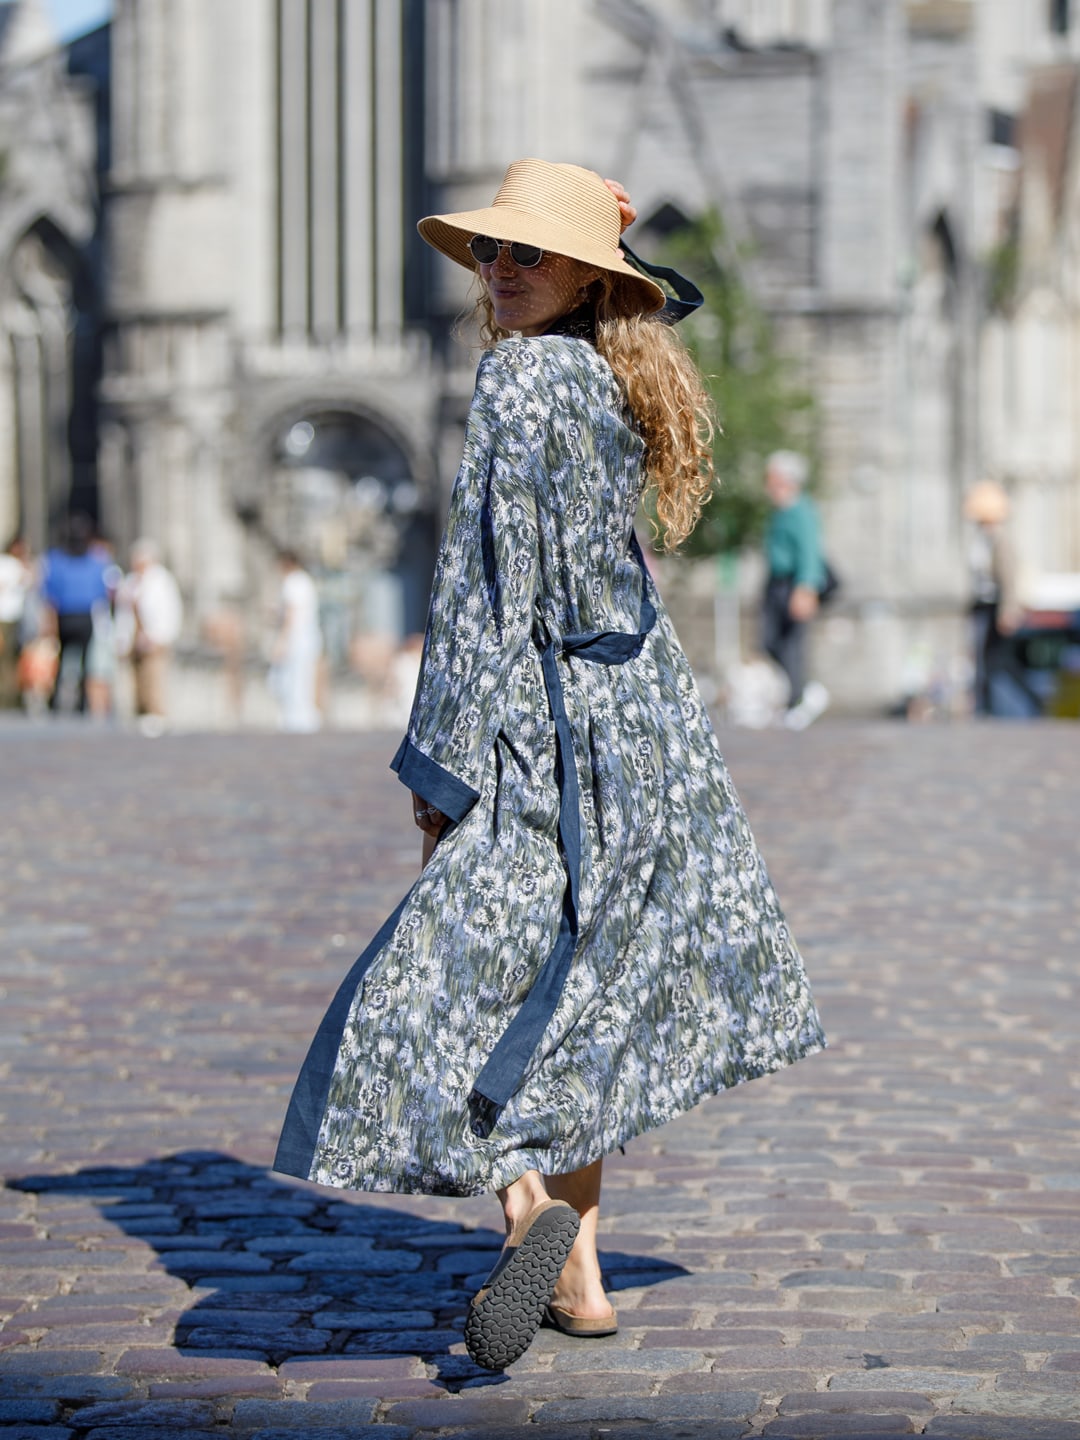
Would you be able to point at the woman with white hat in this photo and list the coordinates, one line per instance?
(594, 945)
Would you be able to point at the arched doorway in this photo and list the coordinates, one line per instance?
(343, 495)
(53, 361)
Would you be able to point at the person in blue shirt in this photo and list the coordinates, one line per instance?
(796, 575)
(72, 585)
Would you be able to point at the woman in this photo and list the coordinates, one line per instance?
(294, 674)
(594, 944)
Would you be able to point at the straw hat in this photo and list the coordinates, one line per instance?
(561, 208)
(986, 502)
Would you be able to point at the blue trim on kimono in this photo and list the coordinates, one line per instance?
(505, 1068)
(304, 1117)
(433, 781)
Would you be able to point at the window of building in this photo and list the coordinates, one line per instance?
(1059, 16)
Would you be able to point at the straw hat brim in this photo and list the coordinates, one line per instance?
(451, 234)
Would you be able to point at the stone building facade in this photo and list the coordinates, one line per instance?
(267, 380)
(266, 341)
(49, 276)
(1030, 370)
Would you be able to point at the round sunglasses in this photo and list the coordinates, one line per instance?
(485, 251)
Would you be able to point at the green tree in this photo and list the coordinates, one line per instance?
(761, 404)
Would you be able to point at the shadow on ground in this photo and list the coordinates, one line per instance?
(283, 1272)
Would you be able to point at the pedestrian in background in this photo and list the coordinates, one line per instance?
(16, 580)
(72, 584)
(38, 647)
(150, 615)
(995, 610)
(101, 656)
(796, 574)
(594, 945)
(294, 673)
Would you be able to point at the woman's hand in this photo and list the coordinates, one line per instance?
(627, 213)
(431, 821)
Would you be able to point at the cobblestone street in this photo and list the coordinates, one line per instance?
(883, 1240)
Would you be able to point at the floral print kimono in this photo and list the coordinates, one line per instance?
(595, 945)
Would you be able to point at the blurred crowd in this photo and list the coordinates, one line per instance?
(70, 616)
(81, 635)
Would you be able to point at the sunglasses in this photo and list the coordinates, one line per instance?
(485, 251)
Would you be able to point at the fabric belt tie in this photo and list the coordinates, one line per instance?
(505, 1068)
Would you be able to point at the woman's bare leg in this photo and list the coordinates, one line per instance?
(522, 1196)
(580, 1289)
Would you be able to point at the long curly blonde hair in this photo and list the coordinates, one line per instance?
(666, 395)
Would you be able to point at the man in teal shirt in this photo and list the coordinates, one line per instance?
(796, 574)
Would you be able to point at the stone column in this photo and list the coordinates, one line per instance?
(154, 77)
(123, 92)
(861, 152)
(30, 432)
(388, 174)
(324, 158)
(294, 199)
(247, 109)
(11, 520)
(56, 405)
(358, 103)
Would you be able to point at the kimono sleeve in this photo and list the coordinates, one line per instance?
(483, 592)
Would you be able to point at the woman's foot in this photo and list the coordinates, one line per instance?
(578, 1305)
(579, 1291)
(508, 1309)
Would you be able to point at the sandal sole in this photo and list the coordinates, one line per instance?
(578, 1327)
(505, 1316)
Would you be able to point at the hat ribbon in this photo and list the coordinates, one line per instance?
(689, 299)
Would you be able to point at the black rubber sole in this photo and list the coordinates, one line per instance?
(506, 1314)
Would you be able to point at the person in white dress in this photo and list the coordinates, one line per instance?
(297, 649)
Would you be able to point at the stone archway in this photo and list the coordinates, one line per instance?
(52, 367)
(340, 491)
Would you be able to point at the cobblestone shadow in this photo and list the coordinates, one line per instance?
(282, 1272)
